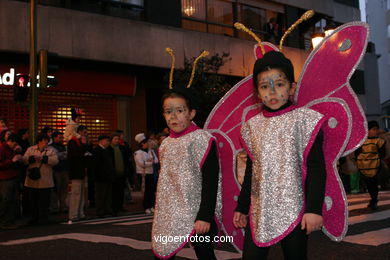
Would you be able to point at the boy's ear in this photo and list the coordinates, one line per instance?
(292, 89)
(192, 114)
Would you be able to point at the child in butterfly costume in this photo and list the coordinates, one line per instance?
(293, 146)
(188, 181)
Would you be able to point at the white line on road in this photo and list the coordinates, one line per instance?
(364, 205)
(122, 241)
(131, 223)
(118, 220)
(373, 238)
(369, 217)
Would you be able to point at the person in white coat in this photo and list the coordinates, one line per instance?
(41, 158)
(144, 159)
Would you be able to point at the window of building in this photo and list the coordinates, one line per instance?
(267, 24)
(131, 9)
(218, 16)
(214, 16)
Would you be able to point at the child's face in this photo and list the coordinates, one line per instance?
(274, 89)
(177, 114)
(373, 132)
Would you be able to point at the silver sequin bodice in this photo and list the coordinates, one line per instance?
(179, 188)
(277, 145)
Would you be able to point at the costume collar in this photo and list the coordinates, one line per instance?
(268, 112)
(193, 127)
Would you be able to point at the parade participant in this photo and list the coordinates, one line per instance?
(294, 134)
(188, 181)
(368, 159)
(72, 124)
(275, 140)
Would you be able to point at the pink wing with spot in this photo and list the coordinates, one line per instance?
(224, 122)
(324, 87)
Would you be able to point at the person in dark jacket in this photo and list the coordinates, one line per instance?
(60, 172)
(121, 171)
(78, 150)
(9, 172)
(103, 171)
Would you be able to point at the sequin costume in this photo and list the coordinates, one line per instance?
(277, 198)
(323, 86)
(179, 188)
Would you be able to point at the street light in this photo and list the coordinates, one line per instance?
(329, 28)
(316, 39)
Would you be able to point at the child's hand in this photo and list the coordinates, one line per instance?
(239, 220)
(311, 222)
(201, 227)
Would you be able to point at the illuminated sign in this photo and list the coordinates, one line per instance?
(8, 78)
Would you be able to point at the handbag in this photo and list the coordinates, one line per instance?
(35, 172)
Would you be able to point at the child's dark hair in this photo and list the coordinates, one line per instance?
(41, 137)
(273, 60)
(12, 137)
(177, 94)
(56, 133)
(47, 129)
(81, 128)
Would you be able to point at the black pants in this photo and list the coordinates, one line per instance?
(372, 187)
(103, 198)
(118, 192)
(150, 192)
(39, 205)
(204, 250)
(294, 246)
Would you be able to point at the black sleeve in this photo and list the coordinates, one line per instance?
(316, 177)
(358, 151)
(210, 172)
(382, 151)
(244, 199)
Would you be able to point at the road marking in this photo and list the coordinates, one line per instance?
(131, 223)
(369, 217)
(372, 238)
(122, 241)
(118, 220)
(364, 205)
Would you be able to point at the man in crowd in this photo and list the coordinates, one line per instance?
(78, 149)
(60, 172)
(103, 174)
(9, 173)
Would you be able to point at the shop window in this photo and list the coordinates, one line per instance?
(99, 111)
(265, 23)
(213, 16)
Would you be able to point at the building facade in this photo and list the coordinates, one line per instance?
(377, 15)
(112, 57)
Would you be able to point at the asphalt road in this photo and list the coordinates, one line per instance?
(128, 237)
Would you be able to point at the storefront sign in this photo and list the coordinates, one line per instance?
(7, 78)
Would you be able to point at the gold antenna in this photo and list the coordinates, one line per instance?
(170, 51)
(203, 54)
(242, 27)
(304, 17)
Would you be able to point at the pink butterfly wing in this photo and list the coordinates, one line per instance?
(267, 47)
(325, 77)
(332, 63)
(337, 118)
(224, 122)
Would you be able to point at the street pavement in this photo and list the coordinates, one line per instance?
(128, 237)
